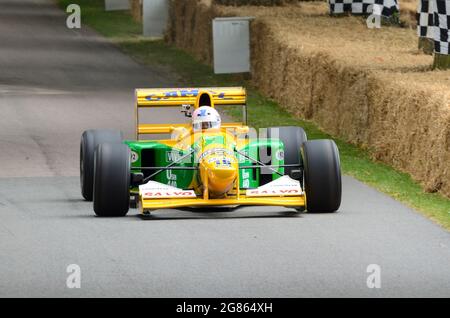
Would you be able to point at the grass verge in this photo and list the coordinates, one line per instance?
(122, 30)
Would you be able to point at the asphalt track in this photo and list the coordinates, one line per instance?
(55, 83)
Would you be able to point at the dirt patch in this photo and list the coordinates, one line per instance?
(372, 88)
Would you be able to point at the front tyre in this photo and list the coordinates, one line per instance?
(112, 180)
(322, 176)
(293, 138)
(89, 142)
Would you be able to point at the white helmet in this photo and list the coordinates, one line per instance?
(206, 117)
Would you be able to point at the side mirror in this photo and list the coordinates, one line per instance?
(187, 110)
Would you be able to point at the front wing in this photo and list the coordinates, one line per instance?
(282, 192)
(152, 204)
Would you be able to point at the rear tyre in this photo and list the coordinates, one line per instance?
(89, 142)
(293, 138)
(322, 176)
(112, 180)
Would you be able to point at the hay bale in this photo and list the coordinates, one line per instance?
(191, 27)
(426, 45)
(408, 13)
(410, 128)
(404, 120)
(136, 9)
(441, 61)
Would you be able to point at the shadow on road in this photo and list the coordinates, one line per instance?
(214, 214)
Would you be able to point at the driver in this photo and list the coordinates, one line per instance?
(206, 117)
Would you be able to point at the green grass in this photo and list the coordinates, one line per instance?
(122, 30)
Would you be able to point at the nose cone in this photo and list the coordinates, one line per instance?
(221, 180)
(219, 174)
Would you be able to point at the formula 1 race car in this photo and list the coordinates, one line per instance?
(206, 162)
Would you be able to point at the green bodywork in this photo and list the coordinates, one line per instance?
(158, 154)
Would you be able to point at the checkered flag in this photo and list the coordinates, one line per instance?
(340, 6)
(380, 7)
(387, 7)
(425, 19)
(442, 25)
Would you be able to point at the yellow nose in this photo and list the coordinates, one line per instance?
(218, 178)
(221, 180)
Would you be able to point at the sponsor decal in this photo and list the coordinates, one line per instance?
(165, 95)
(203, 113)
(156, 190)
(284, 186)
(245, 179)
(216, 151)
(175, 93)
(276, 192)
(220, 162)
(171, 178)
(134, 157)
(161, 194)
(241, 156)
(279, 155)
(173, 155)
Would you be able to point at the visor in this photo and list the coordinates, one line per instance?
(206, 125)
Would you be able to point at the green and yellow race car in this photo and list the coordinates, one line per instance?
(206, 162)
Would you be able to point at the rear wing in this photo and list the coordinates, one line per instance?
(188, 97)
(173, 97)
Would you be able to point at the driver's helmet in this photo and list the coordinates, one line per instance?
(206, 117)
